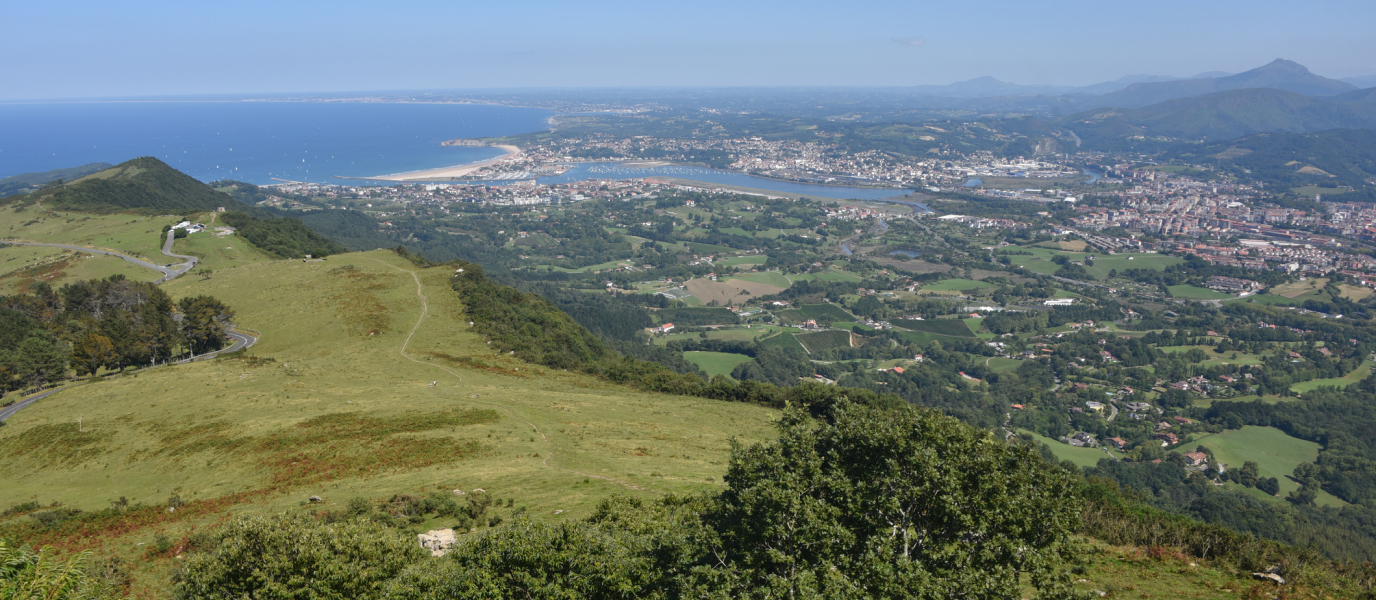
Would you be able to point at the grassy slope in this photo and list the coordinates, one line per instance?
(580, 428)
(1356, 375)
(1275, 453)
(716, 363)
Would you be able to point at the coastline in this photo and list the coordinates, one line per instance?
(444, 173)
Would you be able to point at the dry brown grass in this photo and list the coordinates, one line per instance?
(729, 291)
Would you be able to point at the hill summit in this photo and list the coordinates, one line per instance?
(145, 185)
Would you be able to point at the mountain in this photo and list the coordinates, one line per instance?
(1361, 82)
(1225, 115)
(1280, 74)
(28, 182)
(143, 185)
(987, 87)
(1122, 83)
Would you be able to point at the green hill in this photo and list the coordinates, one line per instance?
(1349, 155)
(144, 185)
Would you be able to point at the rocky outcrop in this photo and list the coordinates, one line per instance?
(437, 541)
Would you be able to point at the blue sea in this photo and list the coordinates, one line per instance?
(265, 141)
(255, 141)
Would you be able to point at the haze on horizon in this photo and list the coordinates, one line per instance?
(87, 49)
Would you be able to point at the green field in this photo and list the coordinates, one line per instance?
(325, 410)
(1275, 453)
(773, 278)
(703, 316)
(1040, 261)
(22, 266)
(1084, 457)
(783, 340)
(822, 313)
(1000, 364)
(1192, 292)
(1358, 374)
(736, 261)
(716, 363)
(818, 341)
(956, 285)
(948, 327)
(739, 333)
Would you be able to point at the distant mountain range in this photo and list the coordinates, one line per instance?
(1280, 74)
(1227, 115)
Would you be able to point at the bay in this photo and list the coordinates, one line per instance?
(256, 141)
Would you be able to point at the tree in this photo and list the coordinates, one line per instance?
(1248, 474)
(41, 359)
(92, 352)
(891, 502)
(204, 321)
(1270, 485)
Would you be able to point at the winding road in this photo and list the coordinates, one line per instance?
(8, 411)
(169, 272)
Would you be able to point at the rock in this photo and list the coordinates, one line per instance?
(316, 499)
(437, 541)
(1277, 579)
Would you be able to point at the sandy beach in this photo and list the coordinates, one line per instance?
(449, 172)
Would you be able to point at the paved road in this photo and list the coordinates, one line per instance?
(241, 341)
(8, 411)
(175, 270)
(167, 272)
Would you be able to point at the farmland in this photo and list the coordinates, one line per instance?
(951, 327)
(1275, 453)
(822, 313)
(716, 363)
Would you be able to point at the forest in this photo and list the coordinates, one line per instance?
(111, 324)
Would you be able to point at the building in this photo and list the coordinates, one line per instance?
(1195, 459)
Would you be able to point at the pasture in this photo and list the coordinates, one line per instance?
(320, 407)
(1275, 453)
(1360, 373)
(716, 363)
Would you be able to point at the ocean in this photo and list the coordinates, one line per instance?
(263, 142)
(255, 141)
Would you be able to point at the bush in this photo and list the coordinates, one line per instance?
(292, 557)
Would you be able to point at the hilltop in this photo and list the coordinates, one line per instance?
(145, 185)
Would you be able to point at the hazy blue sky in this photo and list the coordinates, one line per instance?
(83, 48)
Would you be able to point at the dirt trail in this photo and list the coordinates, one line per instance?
(549, 453)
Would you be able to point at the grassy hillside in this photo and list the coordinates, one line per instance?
(329, 404)
(144, 185)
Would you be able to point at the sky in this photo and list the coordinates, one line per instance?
(113, 48)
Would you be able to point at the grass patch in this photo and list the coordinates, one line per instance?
(1361, 372)
(956, 285)
(736, 261)
(822, 313)
(716, 363)
(947, 327)
(1192, 292)
(1084, 457)
(1275, 453)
